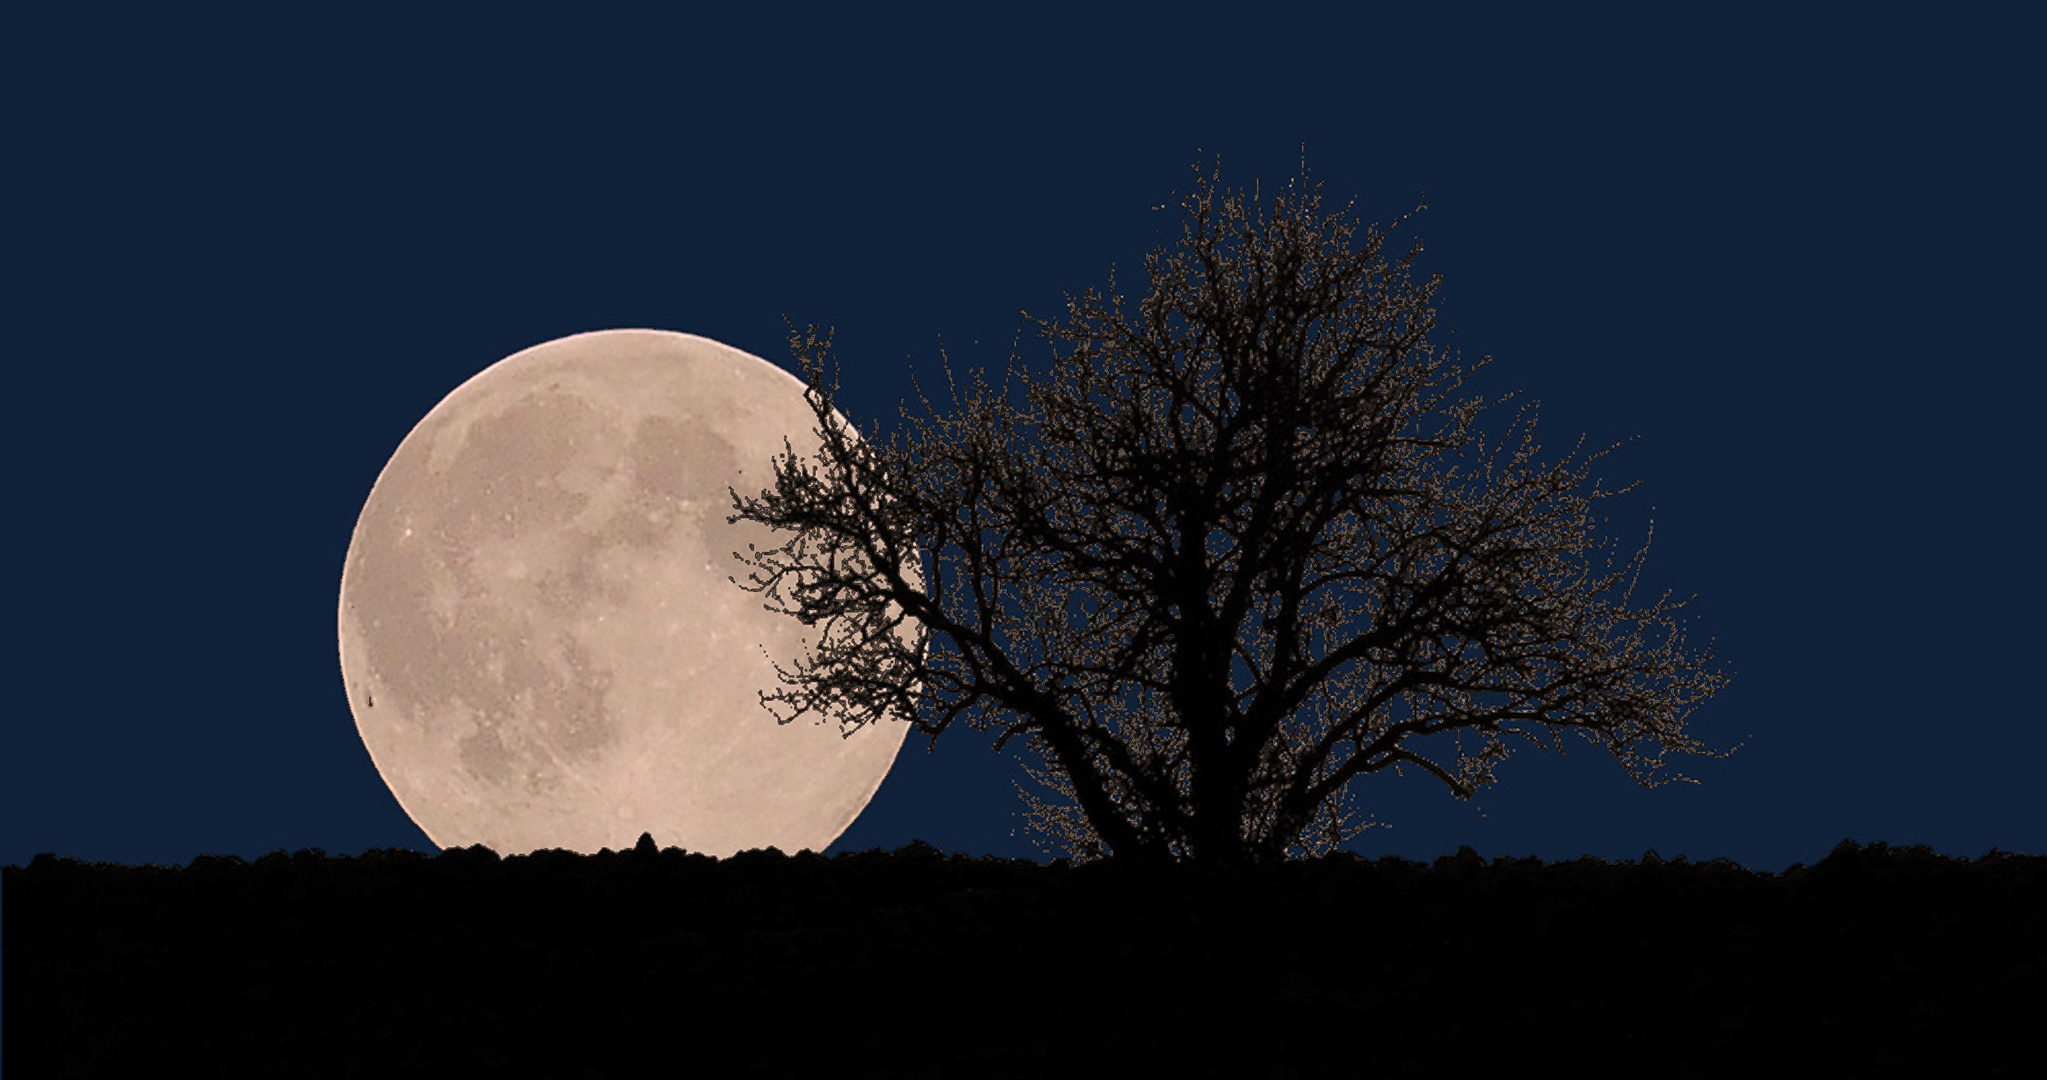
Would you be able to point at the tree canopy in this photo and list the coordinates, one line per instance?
(1239, 547)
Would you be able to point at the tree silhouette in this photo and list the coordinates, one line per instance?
(1240, 548)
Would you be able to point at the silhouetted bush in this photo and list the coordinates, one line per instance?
(1874, 960)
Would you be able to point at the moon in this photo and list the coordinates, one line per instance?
(539, 637)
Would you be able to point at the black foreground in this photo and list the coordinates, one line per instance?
(1873, 962)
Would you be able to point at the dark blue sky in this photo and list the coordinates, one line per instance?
(1797, 254)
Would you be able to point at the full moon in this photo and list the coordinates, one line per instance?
(538, 636)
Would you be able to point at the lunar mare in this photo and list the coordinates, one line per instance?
(538, 638)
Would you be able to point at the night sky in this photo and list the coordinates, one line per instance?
(1797, 255)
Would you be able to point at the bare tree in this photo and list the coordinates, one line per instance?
(1240, 548)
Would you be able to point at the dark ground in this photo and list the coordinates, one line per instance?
(1873, 962)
